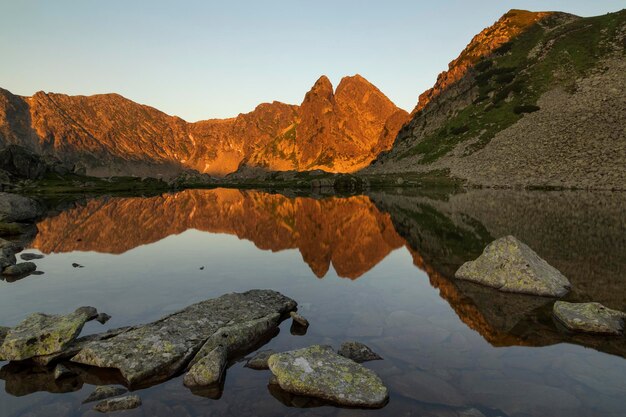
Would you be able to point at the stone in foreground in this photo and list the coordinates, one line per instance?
(31, 256)
(43, 334)
(157, 351)
(299, 320)
(104, 392)
(208, 370)
(259, 361)
(20, 269)
(589, 318)
(118, 404)
(317, 371)
(358, 352)
(509, 265)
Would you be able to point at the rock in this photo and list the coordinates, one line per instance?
(208, 370)
(297, 318)
(15, 208)
(155, 352)
(7, 258)
(358, 352)
(104, 392)
(589, 317)
(317, 371)
(509, 265)
(75, 265)
(62, 371)
(102, 318)
(22, 162)
(118, 404)
(43, 334)
(30, 256)
(259, 361)
(20, 269)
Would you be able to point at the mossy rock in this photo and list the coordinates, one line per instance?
(589, 318)
(319, 372)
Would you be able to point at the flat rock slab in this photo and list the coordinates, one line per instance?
(43, 334)
(358, 352)
(509, 265)
(317, 371)
(118, 404)
(208, 370)
(157, 351)
(589, 318)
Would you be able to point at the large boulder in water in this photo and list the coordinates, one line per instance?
(317, 371)
(509, 265)
(43, 334)
(157, 351)
(589, 318)
(15, 208)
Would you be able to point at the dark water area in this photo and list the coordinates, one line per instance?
(374, 268)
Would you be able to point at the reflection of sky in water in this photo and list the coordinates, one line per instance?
(434, 363)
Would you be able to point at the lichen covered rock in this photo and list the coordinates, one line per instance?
(317, 371)
(208, 370)
(589, 318)
(43, 334)
(509, 265)
(358, 352)
(104, 392)
(118, 404)
(155, 352)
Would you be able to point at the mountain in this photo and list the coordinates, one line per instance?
(335, 131)
(536, 100)
(349, 233)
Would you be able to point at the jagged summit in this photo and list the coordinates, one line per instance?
(111, 135)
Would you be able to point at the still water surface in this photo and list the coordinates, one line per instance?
(377, 269)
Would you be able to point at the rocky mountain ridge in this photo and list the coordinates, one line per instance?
(534, 101)
(107, 134)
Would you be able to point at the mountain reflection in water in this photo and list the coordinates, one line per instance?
(582, 234)
(436, 360)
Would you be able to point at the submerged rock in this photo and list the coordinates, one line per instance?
(259, 361)
(208, 370)
(298, 319)
(20, 269)
(317, 371)
(589, 317)
(104, 392)
(118, 404)
(155, 352)
(358, 352)
(43, 334)
(509, 265)
(30, 256)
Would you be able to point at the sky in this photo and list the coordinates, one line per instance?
(216, 59)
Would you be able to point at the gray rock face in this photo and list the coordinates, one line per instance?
(43, 334)
(589, 318)
(259, 361)
(15, 208)
(157, 351)
(208, 370)
(104, 392)
(317, 371)
(118, 404)
(20, 269)
(509, 265)
(358, 352)
(30, 256)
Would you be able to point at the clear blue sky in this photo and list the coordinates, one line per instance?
(204, 59)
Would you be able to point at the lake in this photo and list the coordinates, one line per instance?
(374, 268)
